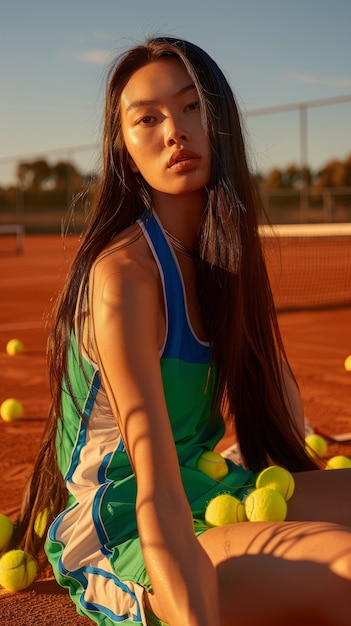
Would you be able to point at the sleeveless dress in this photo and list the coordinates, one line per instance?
(93, 546)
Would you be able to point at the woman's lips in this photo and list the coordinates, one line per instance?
(183, 160)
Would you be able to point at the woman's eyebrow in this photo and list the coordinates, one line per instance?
(185, 89)
(139, 103)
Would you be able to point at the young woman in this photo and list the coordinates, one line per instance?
(165, 329)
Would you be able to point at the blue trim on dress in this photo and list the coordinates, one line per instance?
(181, 343)
(82, 432)
(103, 609)
(103, 467)
(56, 524)
(81, 579)
(99, 527)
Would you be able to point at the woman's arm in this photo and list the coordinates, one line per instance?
(126, 320)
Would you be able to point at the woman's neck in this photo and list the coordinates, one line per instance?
(182, 216)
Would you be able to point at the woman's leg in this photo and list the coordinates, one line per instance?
(323, 495)
(289, 573)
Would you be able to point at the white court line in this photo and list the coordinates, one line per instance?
(22, 325)
(314, 230)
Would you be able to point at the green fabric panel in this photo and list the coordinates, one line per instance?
(81, 374)
(152, 620)
(188, 394)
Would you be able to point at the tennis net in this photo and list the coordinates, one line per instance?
(309, 264)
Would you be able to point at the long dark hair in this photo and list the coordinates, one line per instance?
(233, 285)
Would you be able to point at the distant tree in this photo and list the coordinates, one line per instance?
(32, 175)
(65, 175)
(292, 177)
(334, 174)
(274, 180)
(40, 176)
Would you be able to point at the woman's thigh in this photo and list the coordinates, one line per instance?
(322, 495)
(282, 573)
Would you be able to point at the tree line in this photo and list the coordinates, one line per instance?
(41, 185)
(334, 173)
(39, 175)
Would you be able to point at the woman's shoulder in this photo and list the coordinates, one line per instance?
(124, 286)
(127, 258)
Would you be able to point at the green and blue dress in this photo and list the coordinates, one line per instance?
(93, 545)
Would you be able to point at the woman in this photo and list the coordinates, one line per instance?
(165, 329)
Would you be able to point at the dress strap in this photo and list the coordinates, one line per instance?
(180, 341)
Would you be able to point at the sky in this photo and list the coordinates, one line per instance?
(54, 58)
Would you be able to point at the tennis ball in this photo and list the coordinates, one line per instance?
(41, 521)
(265, 505)
(14, 346)
(347, 363)
(11, 410)
(316, 445)
(6, 531)
(224, 509)
(213, 464)
(277, 478)
(338, 462)
(18, 570)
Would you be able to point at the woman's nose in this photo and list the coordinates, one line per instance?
(174, 133)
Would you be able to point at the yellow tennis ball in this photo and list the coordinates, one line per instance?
(6, 531)
(265, 505)
(347, 363)
(224, 509)
(40, 523)
(14, 346)
(18, 570)
(213, 464)
(277, 478)
(316, 446)
(338, 462)
(11, 410)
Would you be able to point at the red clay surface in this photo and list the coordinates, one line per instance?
(317, 344)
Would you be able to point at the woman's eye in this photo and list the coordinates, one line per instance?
(193, 106)
(147, 119)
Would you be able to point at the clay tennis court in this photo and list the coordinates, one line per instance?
(317, 343)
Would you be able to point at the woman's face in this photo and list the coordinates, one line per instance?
(163, 130)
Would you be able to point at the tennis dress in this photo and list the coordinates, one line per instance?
(93, 545)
